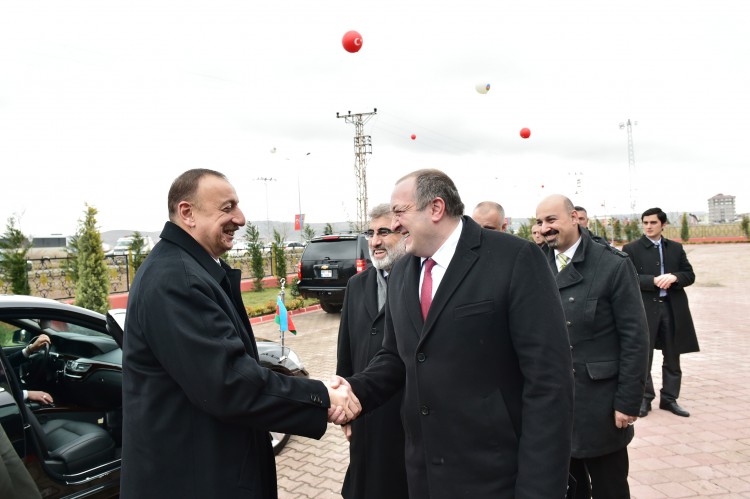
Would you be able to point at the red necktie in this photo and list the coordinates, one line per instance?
(425, 294)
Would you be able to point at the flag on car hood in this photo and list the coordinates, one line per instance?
(282, 317)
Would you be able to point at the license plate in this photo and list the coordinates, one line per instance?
(326, 273)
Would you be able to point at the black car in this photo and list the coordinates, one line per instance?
(327, 264)
(73, 446)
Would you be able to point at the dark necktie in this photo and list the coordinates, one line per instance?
(425, 294)
(662, 292)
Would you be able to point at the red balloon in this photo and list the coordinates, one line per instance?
(525, 133)
(352, 41)
(413, 136)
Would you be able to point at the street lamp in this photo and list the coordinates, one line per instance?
(268, 218)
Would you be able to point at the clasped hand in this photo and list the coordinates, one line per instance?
(664, 281)
(345, 406)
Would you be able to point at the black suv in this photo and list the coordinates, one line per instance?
(327, 264)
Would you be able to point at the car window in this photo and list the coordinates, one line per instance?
(15, 332)
(333, 250)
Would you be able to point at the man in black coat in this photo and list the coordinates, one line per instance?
(609, 341)
(197, 405)
(376, 440)
(476, 338)
(664, 272)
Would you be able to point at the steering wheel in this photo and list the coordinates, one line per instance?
(37, 361)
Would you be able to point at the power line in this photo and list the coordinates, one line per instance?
(362, 147)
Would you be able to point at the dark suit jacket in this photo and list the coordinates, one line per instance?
(609, 341)
(376, 450)
(197, 406)
(488, 399)
(646, 260)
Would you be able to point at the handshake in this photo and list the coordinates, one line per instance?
(345, 406)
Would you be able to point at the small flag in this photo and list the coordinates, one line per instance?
(282, 317)
(299, 221)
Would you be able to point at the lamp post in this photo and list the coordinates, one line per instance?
(268, 218)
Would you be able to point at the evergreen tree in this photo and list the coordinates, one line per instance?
(70, 266)
(92, 286)
(617, 230)
(684, 229)
(524, 231)
(745, 226)
(308, 233)
(328, 230)
(277, 249)
(255, 248)
(137, 252)
(14, 266)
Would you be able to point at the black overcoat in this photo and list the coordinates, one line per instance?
(197, 406)
(488, 398)
(376, 449)
(645, 256)
(609, 340)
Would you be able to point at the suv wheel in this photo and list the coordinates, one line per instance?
(330, 307)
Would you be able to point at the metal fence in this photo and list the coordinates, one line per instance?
(49, 278)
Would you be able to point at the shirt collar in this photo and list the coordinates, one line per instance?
(445, 253)
(570, 251)
(658, 241)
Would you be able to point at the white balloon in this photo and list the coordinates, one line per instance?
(483, 88)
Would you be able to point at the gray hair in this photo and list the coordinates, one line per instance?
(381, 210)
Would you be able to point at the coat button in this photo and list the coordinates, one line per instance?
(373, 331)
(424, 410)
(571, 347)
(421, 357)
(571, 299)
(568, 323)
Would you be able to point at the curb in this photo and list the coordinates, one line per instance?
(269, 317)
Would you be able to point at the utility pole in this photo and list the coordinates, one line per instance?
(631, 160)
(268, 219)
(362, 147)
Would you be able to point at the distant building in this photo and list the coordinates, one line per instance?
(721, 208)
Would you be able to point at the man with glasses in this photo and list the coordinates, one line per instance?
(376, 441)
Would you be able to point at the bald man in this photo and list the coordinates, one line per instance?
(490, 215)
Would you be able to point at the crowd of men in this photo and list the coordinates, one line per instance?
(471, 363)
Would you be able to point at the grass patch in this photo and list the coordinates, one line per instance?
(264, 302)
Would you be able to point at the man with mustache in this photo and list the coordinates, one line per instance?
(376, 440)
(609, 341)
(197, 405)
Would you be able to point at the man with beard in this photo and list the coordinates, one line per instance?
(609, 341)
(197, 405)
(376, 440)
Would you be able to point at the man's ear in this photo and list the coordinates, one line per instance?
(185, 214)
(437, 209)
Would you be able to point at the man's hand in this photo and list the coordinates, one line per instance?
(622, 421)
(347, 429)
(41, 397)
(345, 406)
(664, 281)
(39, 343)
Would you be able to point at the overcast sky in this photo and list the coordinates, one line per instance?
(106, 103)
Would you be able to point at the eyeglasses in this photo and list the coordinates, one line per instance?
(382, 232)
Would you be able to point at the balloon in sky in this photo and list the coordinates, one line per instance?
(413, 136)
(525, 133)
(352, 41)
(483, 88)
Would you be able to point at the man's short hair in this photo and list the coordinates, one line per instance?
(655, 211)
(491, 205)
(185, 186)
(580, 208)
(431, 184)
(381, 210)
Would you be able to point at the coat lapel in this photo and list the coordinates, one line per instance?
(411, 293)
(570, 275)
(371, 299)
(463, 259)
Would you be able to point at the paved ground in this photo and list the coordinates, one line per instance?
(705, 455)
